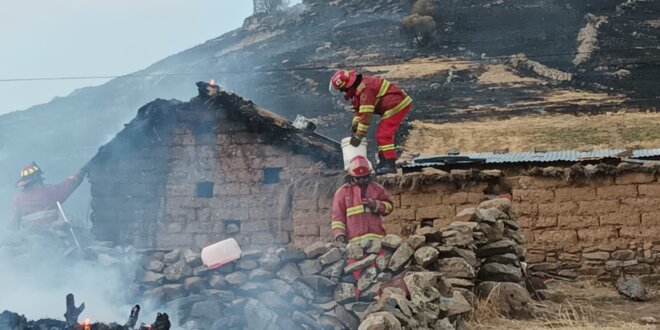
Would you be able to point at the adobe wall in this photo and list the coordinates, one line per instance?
(583, 226)
(434, 196)
(596, 226)
(192, 176)
(234, 158)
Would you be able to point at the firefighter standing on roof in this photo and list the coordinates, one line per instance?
(35, 207)
(374, 95)
(359, 205)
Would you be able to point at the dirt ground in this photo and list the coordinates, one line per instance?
(589, 305)
(621, 130)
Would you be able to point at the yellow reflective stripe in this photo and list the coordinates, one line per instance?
(369, 236)
(337, 225)
(391, 112)
(355, 210)
(367, 108)
(363, 127)
(386, 147)
(383, 88)
(388, 207)
(356, 119)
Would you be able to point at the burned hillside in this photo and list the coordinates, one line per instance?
(283, 62)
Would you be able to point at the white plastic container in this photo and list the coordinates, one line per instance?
(349, 151)
(218, 254)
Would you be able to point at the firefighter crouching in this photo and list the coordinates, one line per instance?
(374, 95)
(359, 205)
(35, 206)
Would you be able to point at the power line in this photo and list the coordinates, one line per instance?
(326, 67)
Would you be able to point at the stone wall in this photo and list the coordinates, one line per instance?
(596, 226)
(428, 280)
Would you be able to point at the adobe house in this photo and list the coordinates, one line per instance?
(186, 174)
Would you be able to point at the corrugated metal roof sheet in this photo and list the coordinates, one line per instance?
(642, 153)
(534, 157)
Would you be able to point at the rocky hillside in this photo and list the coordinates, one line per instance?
(283, 63)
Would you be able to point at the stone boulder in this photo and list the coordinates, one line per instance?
(455, 268)
(632, 288)
(511, 299)
(177, 271)
(500, 273)
(426, 255)
(401, 257)
(380, 321)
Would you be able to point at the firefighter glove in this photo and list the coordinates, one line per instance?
(371, 204)
(356, 140)
(340, 239)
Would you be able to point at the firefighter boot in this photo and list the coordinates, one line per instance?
(386, 166)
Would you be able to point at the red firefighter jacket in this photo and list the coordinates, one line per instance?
(379, 96)
(35, 206)
(354, 220)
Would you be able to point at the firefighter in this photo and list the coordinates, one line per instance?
(35, 206)
(374, 95)
(359, 205)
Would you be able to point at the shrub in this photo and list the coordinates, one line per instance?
(425, 8)
(419, 29)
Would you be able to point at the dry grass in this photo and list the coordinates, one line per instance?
(502, 74)
(570, 315)
(590, 305)
(249, 41)
(550, 132)
(420, 67)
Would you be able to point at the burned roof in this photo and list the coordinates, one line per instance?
(158, 118)
(311, 143)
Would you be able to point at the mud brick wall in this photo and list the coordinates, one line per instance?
(597, 227)
(436, 202)
(237, 162)
(216, 176)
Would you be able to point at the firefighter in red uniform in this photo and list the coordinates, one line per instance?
(359, 205)
(35, 207)
(374, 95)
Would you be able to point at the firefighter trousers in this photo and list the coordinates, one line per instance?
(386, 132)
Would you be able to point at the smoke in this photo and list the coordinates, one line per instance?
(36, 278)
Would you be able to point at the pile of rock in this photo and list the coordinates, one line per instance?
(424, 281)
(500, 250)
(316, 287)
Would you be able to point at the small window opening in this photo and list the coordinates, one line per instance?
(205, 189)
(232, 226)
(272, 175)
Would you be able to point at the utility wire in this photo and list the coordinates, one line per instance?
(329, 67)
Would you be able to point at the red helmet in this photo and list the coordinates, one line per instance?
(342, 80)
(359, 166)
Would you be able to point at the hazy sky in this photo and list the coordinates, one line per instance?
(55, 38)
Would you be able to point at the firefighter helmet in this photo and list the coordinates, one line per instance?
(29, 173)
(359, 166)
(342, 80)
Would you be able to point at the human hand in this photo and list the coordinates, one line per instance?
(370, 203)
(340, 239)
(356, 140)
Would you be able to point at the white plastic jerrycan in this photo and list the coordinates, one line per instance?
(349, 151)
(218, 254)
